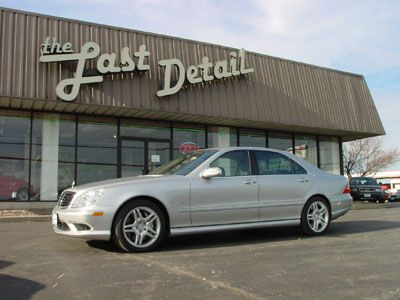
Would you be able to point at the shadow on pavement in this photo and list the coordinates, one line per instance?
(104, 245)
(255, 236)
(12, 287)
(360, 226)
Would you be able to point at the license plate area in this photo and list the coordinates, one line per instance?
(367, 195)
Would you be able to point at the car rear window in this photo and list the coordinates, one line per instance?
(363, 181)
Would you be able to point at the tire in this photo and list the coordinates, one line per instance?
(22, 194)
(315, 217)
(139, 226)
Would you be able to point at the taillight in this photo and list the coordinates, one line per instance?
(346, 189)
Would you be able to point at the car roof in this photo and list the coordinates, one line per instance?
(245, 148)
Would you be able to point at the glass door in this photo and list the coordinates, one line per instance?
(158, 154)
(132, 161)
(141, 156)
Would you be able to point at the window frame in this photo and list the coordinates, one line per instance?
(291, 161)
(236, 150)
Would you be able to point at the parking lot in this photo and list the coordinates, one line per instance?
(358, 259)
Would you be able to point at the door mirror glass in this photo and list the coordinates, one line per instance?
(212, 172)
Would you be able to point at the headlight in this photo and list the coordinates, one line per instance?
(88, 198)
(378, 190)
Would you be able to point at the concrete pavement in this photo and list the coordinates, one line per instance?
(358, 259)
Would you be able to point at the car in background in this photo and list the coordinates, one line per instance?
(391, 185)
(366, 188)
(205, 191)
(12, 188)
(397, 197)
(395, 194)
(387, 195)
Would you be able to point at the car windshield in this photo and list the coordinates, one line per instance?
(363, 181)
(185, 164)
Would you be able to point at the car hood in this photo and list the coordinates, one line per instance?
(122, 181)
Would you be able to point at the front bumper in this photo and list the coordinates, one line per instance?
(83, 223)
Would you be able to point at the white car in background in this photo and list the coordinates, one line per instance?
(204, 191)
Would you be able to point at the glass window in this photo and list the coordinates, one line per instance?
(14, 155)
(221, 137)
(188, 138)
(280, 141)
(97, 149)
(233, 163)
(329, 154)
(272, 163)
(306, 147)
(252, 138)
(159, 154)
(95, 172)
(53, 154)
(146, 129)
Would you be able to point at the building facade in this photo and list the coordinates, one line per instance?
(82, 102)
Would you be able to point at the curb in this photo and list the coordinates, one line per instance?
(44, 218)
(358, 206)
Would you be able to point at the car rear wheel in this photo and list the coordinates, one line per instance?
(316, 217)
(139, 226)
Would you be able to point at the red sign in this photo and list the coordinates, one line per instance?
(188, 147)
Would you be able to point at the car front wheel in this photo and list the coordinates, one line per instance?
(316, 217)
(139, 226)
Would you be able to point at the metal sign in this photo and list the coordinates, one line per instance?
(68, 89)
(188, 147)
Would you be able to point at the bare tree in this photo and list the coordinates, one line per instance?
(367, 156)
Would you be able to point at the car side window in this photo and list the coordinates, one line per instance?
(233, 163)
(273, 163)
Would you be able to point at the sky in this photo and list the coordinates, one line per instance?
(361, 37)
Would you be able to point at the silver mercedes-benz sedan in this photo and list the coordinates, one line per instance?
(204, 191)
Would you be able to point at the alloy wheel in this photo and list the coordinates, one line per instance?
(141, 227)
(318, 216)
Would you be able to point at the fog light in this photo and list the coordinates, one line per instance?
(98, 213)
(82, 227)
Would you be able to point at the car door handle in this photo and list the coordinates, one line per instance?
(248, 182)
(304, 179)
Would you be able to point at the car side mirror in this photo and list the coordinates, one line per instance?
(212, 172)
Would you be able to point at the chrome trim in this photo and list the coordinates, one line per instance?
(267, 204)
(214, 228)
(225, 207)
(65, 199)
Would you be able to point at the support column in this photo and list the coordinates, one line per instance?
(49, 167)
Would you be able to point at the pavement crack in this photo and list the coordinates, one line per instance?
(214, 284)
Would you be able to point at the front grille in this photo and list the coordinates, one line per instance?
(65, 199)
(367, 190)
